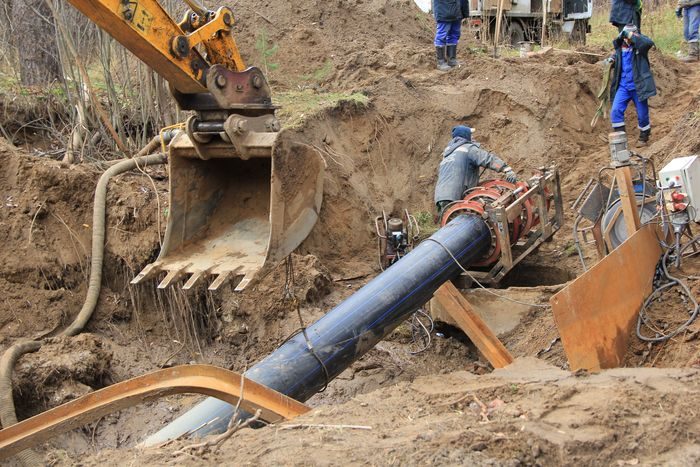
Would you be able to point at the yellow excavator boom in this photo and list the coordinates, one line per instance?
(148, 31)
(241, 199)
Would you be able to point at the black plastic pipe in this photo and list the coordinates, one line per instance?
(352, 328)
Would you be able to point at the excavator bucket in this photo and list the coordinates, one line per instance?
(234, 218)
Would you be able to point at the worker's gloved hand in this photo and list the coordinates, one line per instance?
(679, 12)
(625, 34)
(510, 175)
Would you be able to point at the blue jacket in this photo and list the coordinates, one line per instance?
(623, 12)
(643, 79)
(449, 10)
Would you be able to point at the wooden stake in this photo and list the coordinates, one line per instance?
(543, 38)
(628, 199)
(499, 20)
(471, 323)
(599, 241)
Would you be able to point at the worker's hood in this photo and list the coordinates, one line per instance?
(455, 143)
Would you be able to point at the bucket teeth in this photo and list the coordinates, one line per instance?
(172, 277)
(147, 273)
(223, 277)
(194, 279)
(244, 282)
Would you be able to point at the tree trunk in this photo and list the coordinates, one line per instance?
(5, 28)
(35, 42)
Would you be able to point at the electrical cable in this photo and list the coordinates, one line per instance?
(479, 283)
(417, 327)
(577, 243)
(288, 295)
(662, 272)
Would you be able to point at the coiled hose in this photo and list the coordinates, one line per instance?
(8, 416)
(643, 320)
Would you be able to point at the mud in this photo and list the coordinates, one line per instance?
(423, 408)
(63, 369)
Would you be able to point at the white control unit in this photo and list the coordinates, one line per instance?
(683, 174)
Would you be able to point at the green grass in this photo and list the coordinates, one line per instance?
(659, 23)
(28, 96)
(7, 82)
(320, 73)
(297, 106)
(425, 21)
(267, 51)
(425, 224)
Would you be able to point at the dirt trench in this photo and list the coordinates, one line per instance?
(379, 157)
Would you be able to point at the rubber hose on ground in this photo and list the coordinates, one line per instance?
(7, 406)
(98, 237)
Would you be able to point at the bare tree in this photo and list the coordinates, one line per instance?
(34, 39)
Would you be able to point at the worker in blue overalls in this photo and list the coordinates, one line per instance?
(448, 29)
(632, 80)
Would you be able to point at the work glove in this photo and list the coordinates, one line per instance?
(626, 34)
(679, 13)
(510, 175)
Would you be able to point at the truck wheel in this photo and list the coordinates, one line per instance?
(516, 33)
(578, 35)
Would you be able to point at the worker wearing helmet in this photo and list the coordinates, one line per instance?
(632, 80)
(459, 169)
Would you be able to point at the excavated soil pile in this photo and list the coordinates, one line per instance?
(346, 43)
(379, 156)
(528, 414)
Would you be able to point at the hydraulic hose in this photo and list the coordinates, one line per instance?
(300, 367)
(7, 407)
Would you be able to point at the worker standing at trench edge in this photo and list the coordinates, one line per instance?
(632, 80)
(448, 29)
(689, 11)
(459, 168)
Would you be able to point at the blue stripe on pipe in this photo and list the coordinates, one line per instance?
(371, 326)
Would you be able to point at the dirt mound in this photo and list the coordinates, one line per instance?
(345, 42)
(527, 414)
(255, 322)
(63, 369)
(385, 156)
(45, 221)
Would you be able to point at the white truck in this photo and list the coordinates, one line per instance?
(523, 19)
